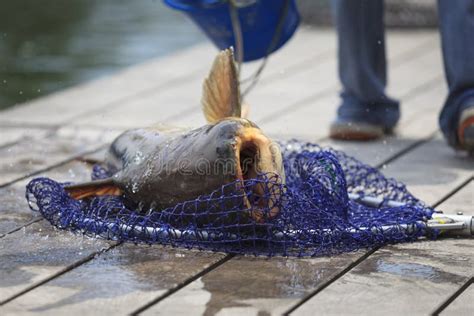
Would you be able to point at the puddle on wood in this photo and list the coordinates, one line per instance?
(37, 252)
(427, 261)
(260, 282)
(416, 270)
(119, 274)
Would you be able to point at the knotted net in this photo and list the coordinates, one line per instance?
(314, 216)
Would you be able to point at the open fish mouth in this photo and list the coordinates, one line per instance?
(258, 155)
(168, 169)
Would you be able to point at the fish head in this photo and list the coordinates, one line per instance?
(258, 162)
(255, 153)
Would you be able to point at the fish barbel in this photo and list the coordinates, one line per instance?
(159, 169)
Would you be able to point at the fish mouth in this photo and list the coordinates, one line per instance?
(257, 155)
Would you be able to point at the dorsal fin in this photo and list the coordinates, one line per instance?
(221, 93)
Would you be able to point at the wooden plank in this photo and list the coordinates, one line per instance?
(117, 281)
(149, 77)
(312, 117)
(10, 135)
(268, 292)
(410, 278)
(33, 155)
(252, 299)
(38, 252)
(165, 106)
(464, 201)
(182, 98)
(407, 278)
(14, 210)
(462, 305)
(302, 103)
(432, 170)
(311, 263)
(159, 74)
(256, 299)
(253, 286)
(419, 121)
(319, 44)
(95, 95)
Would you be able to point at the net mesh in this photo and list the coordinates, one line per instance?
(314, 216)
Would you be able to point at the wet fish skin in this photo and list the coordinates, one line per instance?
(161, 169)
(174, 168)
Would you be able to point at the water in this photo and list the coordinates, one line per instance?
(49, 45)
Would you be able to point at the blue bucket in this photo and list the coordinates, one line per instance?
(258, 19)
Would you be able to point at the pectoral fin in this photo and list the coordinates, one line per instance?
(221, 92)
(93, 188)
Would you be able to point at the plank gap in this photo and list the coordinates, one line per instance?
(87, 152)
(34, 220)
(55, 275)
(453, 297)
(331, 280)
(183, 284)
(372, 251)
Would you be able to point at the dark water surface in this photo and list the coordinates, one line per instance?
(48, 45)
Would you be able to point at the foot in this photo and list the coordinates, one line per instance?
(466, 129)
(360, 131)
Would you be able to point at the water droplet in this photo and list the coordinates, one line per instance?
(71, 173)
(138, 158)
(135, 187)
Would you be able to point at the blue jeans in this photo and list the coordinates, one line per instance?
(362, 63)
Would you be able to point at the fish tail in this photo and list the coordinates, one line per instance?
(93, 188)
(221, 91)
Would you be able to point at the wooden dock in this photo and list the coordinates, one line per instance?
(46, 271)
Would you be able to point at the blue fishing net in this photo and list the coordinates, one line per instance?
(314, 213)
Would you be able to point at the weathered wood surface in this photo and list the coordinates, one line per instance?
(462, 306)
(297, 97)
(240, 298)
(37, 253)
(117, 281)
(31, 155)
(10, 135)
(268, 298)
(101, 94)
(298, 103)
(253, 286)
(413, 277)
(14, 210)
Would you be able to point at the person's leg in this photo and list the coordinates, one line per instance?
(456, 20)
(362, 70)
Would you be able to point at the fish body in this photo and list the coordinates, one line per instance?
(161, 169)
